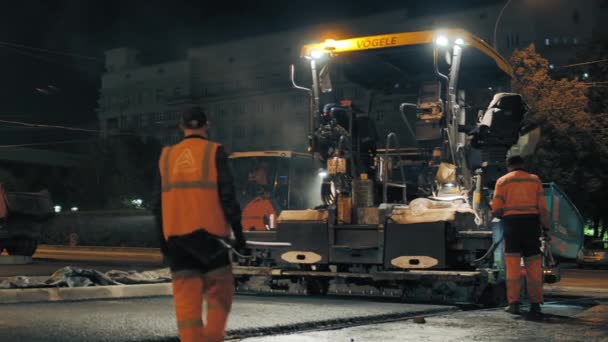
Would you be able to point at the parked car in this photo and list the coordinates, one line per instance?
(594, 253)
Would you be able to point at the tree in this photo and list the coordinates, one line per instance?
(593, 61)
(573, 151)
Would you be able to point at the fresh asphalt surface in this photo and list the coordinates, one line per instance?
(153, 319)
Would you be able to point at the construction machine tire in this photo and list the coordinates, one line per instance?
(22, 246)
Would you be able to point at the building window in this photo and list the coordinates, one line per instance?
(112, 123)
(159, 95)
(380, 115)
(547, 42)
(276, 106)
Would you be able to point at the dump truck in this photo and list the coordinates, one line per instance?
(410, 152)
(23, 216)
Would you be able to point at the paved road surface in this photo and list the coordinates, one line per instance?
(153, 318)
(562, 323)
(584, 278)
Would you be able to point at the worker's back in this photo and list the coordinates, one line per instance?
(518, 193)
(189, 188)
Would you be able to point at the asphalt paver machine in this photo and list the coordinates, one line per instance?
(410, 151)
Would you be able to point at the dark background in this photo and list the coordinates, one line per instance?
(161, 30)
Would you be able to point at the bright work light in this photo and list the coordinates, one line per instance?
(316, 54)
(442, 41)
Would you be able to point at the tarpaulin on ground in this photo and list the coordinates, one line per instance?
(81, 277)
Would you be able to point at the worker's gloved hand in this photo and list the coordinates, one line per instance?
(545, 234)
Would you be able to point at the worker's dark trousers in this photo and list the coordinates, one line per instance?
(522, 238)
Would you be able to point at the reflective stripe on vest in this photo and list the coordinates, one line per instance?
(190, 199)
(522, 205)
(204, 182)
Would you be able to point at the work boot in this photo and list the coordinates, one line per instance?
(535, 307)
(535, 311)
(513, 308)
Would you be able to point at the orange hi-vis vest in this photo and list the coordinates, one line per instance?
(190, 198)
(519, 193)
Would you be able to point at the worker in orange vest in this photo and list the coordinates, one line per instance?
(519, 200)
(198, 207)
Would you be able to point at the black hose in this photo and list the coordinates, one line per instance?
(340, 143)
(490, 251)
(228, 246)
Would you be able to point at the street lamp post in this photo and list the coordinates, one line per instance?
(496, 24)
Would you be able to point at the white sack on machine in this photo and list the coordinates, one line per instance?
(423, 210)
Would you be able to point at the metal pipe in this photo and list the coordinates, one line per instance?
(452, 103)
(315, 91)
(437, 72)
(405, 120)
(292, 78)
(385, 179)
(352, 147)
(494, 43)
(462, 119)
(311, 111)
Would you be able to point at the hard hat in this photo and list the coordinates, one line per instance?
(193, 118)
(515, 160)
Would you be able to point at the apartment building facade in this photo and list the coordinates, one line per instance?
(244, 84)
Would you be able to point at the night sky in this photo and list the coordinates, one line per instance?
(67, 85)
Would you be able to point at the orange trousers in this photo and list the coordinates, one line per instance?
(190, 290)
(534, 277)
